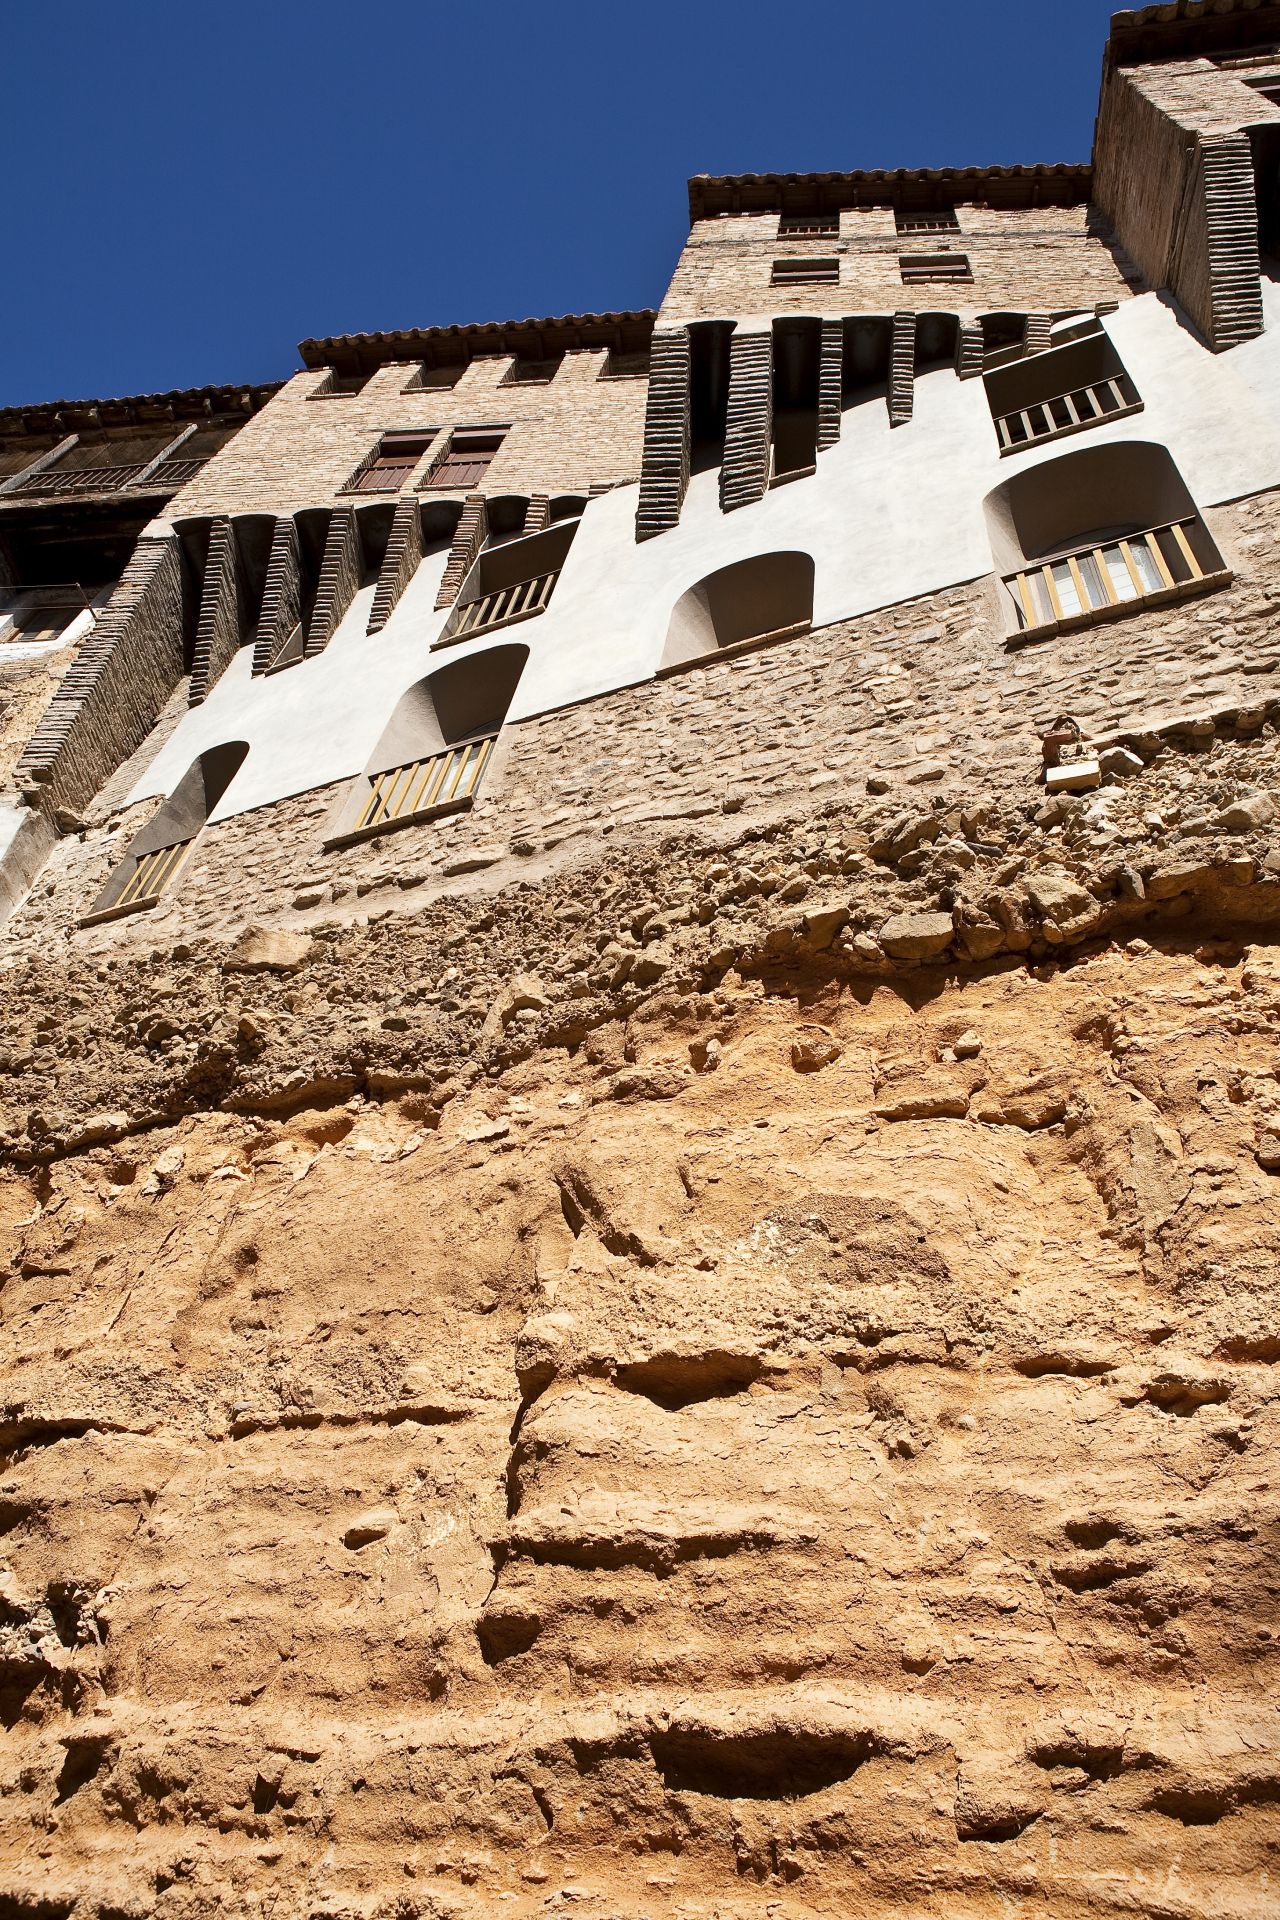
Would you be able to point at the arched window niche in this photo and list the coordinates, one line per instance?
(768, 597)
(1095, 535)
(159, 851)
(436, 749)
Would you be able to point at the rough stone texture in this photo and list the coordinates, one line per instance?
(663, 1473)
(1021, 260)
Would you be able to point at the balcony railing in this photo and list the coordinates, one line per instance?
(505, 607)
(152, 875)
(1097, 582)
(1063, 413)
(443, 779)
(82, 479)
(175, 473)
(41, 613)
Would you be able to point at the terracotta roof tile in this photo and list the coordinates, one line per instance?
(452, 346)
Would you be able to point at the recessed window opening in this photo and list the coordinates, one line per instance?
(532, 373)
(1002, 338)
(1064, 391)
(937, 338)
(767, 597)
(926, 220)
(708, 392)
(392, 463)
(626, 366)
(796, 354)
(1092, 535)
(925, 269)
(467, 457)
(157, 854)
(805, 273)
(437, 748)
(1265, 144)
(510, 582)
(809, 226)
(341, 385)
(433, 379)
(865, 362)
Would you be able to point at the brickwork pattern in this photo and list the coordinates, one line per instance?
(1037, 258)
(221, 623)
(902, 369)
(748, 439)
(300, 452)
(969, 351)
(1231, 222)
(110, 696)
(830, 382)
(340, 571)
(922, 696)
(281, 596)
(469, 536)
(399, 563)
(664, 474)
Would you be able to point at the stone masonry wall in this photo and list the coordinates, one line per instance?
(916, 697)
(1026, 259)
(579, 429)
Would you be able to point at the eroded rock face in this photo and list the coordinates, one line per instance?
(807, 1450)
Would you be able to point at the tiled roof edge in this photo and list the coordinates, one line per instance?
(1065, 182)
(140, 409)
(1181, 28)
(627, 332)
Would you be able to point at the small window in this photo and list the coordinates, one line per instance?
(388, 467)
(532, 373)
(809, 226)
(926, 269)
(805, 273)
(626, 366)
(434, 379)
(340, 386)
(466, 459)
(935, 220)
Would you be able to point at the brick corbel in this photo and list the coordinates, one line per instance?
(1036, 333)
(399, 563)
(281, 596)
(221, 622)
(340, 573)
(111, 695)
(468, 538)
(537, 514)
(664, 467)
(830, 382)
(969, 350)
(748, 434)
(902, 369)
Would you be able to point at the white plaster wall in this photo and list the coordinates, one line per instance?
(890, 514)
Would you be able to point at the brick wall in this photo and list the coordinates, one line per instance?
(1049, 257)
(299, 452)
(922, 695)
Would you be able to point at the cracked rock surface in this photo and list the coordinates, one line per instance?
(803, 1444)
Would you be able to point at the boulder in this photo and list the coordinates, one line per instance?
(268, 950)
(917, 936)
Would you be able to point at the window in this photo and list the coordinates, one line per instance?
(935, 220)
(805, 273)
(511, 581)
(532, 373)
(339, 386)
(434, 379)
(1080, 383)
(436, 749)
(466, 459)
(393, 460)
(626, 366)
(41, 614)
(812, 226)
(1096, 534)
(925, 269)
(157, 854)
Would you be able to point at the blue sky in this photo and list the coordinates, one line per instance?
(193, 189)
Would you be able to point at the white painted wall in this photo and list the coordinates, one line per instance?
(889, 515)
